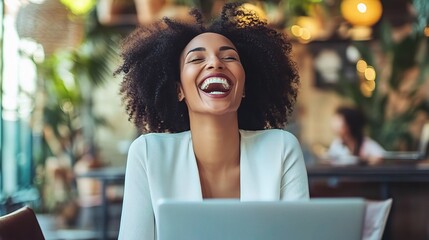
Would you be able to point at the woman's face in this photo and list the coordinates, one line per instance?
(339, 126)
(212, 77)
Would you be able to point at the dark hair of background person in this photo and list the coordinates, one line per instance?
(151, 71)
(355, 121)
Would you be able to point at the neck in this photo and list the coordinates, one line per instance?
(216, 142)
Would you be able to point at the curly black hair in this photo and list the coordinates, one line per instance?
(152, 75)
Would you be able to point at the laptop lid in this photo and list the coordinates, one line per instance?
(420, 154)
(322, 219)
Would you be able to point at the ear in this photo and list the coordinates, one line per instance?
(180, 93)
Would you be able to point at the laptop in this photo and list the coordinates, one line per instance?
(404, 155)
(322, 219)
(421, 153)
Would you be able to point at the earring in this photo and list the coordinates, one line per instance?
(244, 93)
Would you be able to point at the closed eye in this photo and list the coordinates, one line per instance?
(230, 58)
(195, 60)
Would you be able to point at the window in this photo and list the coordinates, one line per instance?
(18, 83)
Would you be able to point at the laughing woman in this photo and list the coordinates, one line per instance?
(212, 101)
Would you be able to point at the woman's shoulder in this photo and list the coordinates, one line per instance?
(153, 141)
(270, 137)
(271, 146)
(371, 144)
(274, 134)
(159, 149)
(162, 137)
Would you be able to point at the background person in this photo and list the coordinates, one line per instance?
(349, 127)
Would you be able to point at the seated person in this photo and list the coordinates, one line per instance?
(211, 113)
(349, 125)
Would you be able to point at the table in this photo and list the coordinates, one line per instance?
(379, 173)
(385, 175)
(106, 176)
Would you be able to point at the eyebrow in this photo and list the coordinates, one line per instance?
(223, 48)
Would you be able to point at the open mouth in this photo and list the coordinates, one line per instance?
(215, 86)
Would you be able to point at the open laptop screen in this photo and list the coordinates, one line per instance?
(322, 219)
(420, 154)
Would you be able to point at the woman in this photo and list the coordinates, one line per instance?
(349, 126)
(209, 99)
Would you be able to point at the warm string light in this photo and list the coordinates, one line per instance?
(301, 33)
(367, 76)
(305, 29)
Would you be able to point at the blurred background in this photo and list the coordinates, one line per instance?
(62, 117)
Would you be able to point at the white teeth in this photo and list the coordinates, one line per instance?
(209, 81)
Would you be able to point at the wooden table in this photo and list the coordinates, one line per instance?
(380, 173)
(385, 176)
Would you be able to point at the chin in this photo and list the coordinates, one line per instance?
(221, 111)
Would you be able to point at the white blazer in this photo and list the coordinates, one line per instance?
(163, 165)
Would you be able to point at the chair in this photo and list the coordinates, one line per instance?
(21, 224)
(376, 215)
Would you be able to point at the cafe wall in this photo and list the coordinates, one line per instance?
(315, 106)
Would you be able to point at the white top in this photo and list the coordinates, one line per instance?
(369, 148)
(163, 166)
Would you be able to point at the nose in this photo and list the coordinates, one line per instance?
(215, 63)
